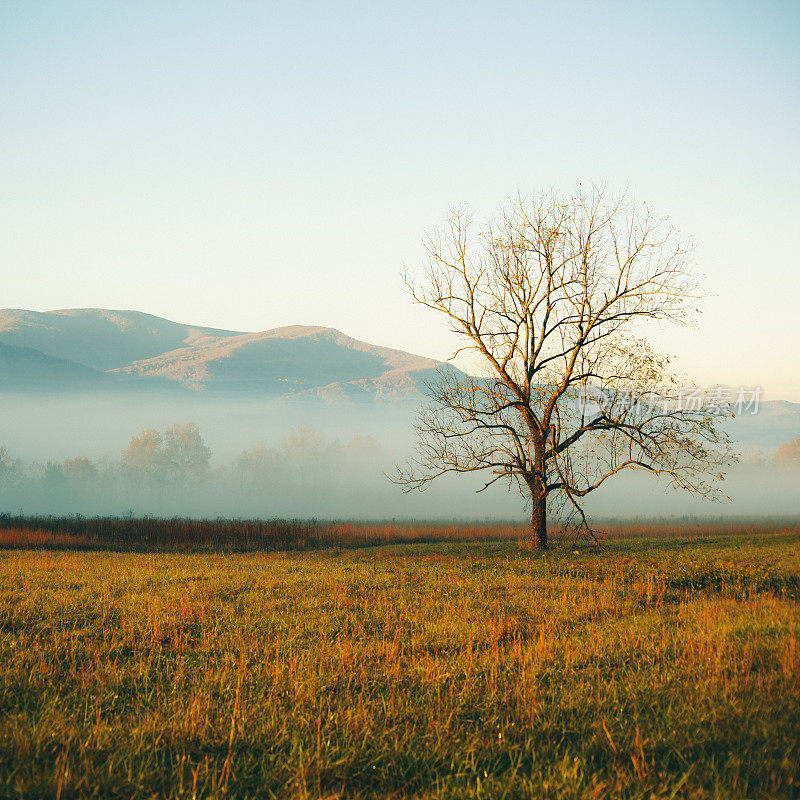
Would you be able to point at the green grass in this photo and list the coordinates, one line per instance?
(649, 669)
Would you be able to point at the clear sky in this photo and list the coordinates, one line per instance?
(253, 164)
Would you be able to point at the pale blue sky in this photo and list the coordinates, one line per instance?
(249, 165)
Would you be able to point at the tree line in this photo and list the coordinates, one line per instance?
(172, 471)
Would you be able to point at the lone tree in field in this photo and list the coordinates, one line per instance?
(549, 296)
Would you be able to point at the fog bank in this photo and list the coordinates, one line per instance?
(208, 456)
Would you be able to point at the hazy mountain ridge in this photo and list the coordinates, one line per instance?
(144, 350)
(103, 350)
(26, 368)
(99, 338)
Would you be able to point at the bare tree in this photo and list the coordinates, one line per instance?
(550, 296)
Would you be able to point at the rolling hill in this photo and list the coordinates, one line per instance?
(104, 350)
(29, 369)
(97, 337)
(131, 348)
(287, 360)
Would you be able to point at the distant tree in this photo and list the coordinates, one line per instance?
(257, 465)
(144, 455)
(361, 451)
(788, 454)
(185, 454)
(305, 447)
(11, 469)
(52, 479)
(79, 470)
(12, 473)
(179, 455)
(311, 458)
(548, 297)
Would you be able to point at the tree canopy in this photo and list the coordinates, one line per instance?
(551, 296)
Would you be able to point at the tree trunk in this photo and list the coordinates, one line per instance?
(539, 518)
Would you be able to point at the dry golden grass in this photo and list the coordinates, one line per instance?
(181, 534)
(650, 669)
(190, 535)
(36, 538)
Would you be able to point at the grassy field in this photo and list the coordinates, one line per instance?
(653, 668)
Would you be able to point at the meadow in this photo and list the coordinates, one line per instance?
(659, 666)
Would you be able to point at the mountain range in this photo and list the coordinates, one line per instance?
(100, 348)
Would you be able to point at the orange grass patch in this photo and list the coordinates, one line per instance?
(36, 537)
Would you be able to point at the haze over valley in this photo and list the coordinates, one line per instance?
(317, 417)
